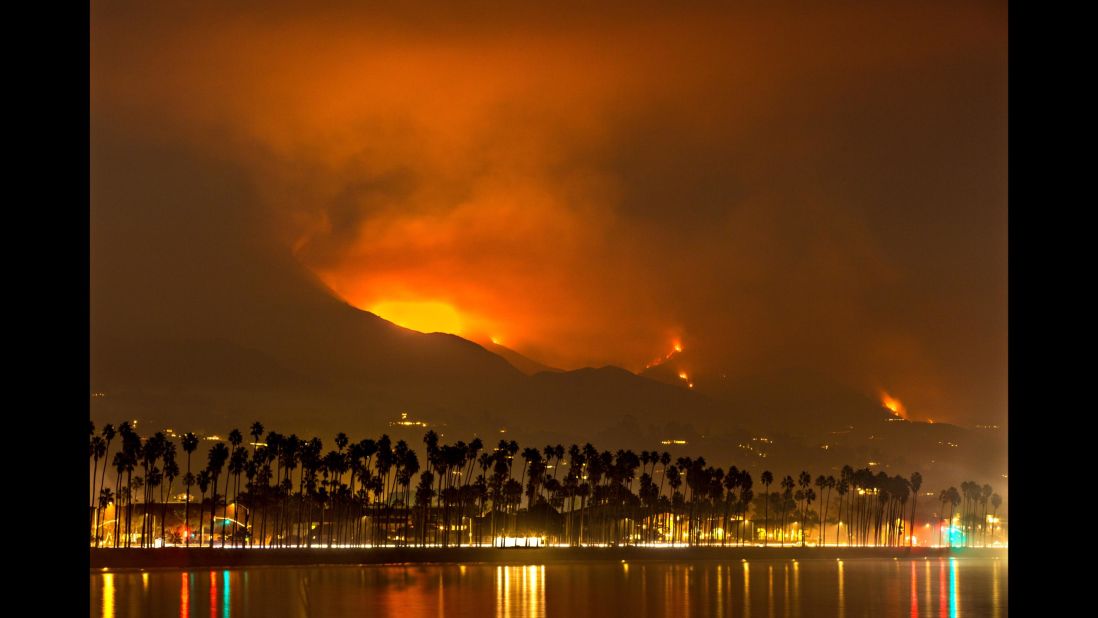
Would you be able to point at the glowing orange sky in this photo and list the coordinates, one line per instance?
(588, 190)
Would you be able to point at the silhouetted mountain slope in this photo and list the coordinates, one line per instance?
(521, 362)
(202, 320)
(792, 397)
(586, 396)
(196, 315)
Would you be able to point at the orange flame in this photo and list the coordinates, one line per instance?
(425, 316)
(676, 347)
(894, 405)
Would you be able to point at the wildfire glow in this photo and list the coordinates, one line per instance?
(424, 316)
(682, 375)
(676, 347)
(894, 405)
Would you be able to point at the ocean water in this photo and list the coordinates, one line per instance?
(758, 588)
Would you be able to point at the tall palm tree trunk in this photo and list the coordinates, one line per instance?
(766, 517)
(225, 511)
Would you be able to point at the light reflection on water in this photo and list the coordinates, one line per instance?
(770, 591)
(527, 598)
(842, 597)
(108, 595)
(954, 600)
(185, 596)
(746, 589)
(964, 587)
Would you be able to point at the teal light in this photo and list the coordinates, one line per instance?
(956, 536)
(226, 595)
(952, 588)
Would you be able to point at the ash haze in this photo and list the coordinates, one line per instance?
(820, 190)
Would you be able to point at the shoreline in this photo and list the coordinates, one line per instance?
(204, 557)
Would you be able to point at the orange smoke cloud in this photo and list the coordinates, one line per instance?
(577, 188)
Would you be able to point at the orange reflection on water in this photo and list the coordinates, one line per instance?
(668, 587)
(995, 590)
(185, 599)
(785, 600)
(720, 590)
(108, 595)
(943, 601)
(528, 596)
(770, 592)
(914, 593)
(746, 590)
(686, 591)
(926, 596)
(796, 588)
(842, 596)
(213, 594)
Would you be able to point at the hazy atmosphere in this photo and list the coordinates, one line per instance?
(489, 308)
(586, 196)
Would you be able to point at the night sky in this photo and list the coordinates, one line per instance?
(773, 187)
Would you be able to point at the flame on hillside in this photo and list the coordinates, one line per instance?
(676, 347)
(893, 405)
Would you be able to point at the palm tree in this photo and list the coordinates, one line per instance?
(171, 470)
(235, 439)
(256, 432)
(809, 497)
(731, 484)
(137, 483)
(943, 497)
(215, 462)
(600, 484)
(985, 494)
(120, 462)
(105, 500)
(916, 483)
(954, 499)
(190, 443)
(530, 456)
(424, 494)
(97, 450)
(408, 468)
(804, 480)
(203, 481)
(131, 450)
(108, 434)
(151, 452)
(787, 485)
(996, 502)
(821, 484)
(767, 478)
(842, 488)
(674, 480)
(746, 494)
(238, 461)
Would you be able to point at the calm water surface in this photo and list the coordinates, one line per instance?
(759, 588)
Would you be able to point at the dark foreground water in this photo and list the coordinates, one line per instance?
(759, 588)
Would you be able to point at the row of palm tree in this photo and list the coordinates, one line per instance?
(293, 493)
(973, 499)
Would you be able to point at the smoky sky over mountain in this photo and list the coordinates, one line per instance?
(817, 187)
